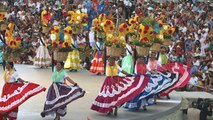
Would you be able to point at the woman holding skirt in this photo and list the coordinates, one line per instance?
(117, 90)
(60, 94)
(159, 81)
(15, 92)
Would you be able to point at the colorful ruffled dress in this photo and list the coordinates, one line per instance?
(14, 94)
(59, 95)
(117, 90)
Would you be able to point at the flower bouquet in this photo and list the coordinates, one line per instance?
(61, 48)
(114, 46)
(168, 32)
(102, 26)
(76, 21)
(142, 46)
(12, 46)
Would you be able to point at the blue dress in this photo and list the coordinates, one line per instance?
(157, 84)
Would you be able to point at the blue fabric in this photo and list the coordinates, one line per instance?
(99, 53)
(157, 28)
(101, 7)
(193, 69)
(156, 84)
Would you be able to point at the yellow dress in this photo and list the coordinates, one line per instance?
(73, 60)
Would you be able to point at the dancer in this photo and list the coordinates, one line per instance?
(158, 82)
(117, 90)
(15, 92)
(60, 94)
(73, 58)
(97, 62)
(42, 57)
(127, 61)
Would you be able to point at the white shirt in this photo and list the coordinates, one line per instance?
(14, 77)
(84, 10)
(193, 81)
(91, 36)
(129, 49)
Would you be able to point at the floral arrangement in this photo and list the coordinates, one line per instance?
(61, 46)
(168, 31)
(76, 20)
(102, 26)
(45, 17)
(12, 47)
(12, 42)
(115, 42)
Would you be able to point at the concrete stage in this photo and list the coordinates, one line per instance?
(80, 109)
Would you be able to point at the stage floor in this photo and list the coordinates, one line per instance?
(80, 109)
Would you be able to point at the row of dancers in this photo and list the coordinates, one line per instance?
(133, 91)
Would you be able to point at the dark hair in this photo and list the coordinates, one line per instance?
(11, 64)
(61, 62)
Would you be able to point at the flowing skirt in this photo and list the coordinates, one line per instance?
(14, 94)
(42, 57)
(157, 84)
(118, 90)
(58, 96)
(184, 78)
(127, 65)
(97, 63)
(73, 60)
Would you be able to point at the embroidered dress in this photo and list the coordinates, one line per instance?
(42, 57)
(73, 60)
(14, 94)
(156, 84)
(60, 94)
(117, 90)
(97, 63)
(184, 72)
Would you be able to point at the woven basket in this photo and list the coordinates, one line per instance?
(3, 26)
(114, 52)
(60, 56)
(142, 51)
(45, 29)
(155, 47)
(167, 42)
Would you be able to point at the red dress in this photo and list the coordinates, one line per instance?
(14, 94)
(140, 68)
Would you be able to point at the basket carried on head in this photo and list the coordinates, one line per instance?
(45, 29)
(114, 52)
(60, 56)
(142, 51)
(3, 26)
(167, 42)
(155, 47)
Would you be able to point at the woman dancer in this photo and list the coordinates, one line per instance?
(117, 90)
(15, 92)
(60, 94)
(42, 58)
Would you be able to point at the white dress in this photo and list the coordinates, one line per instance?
(42, 57)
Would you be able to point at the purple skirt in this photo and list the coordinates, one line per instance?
(58, 96)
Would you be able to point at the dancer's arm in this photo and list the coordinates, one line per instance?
(71, 81)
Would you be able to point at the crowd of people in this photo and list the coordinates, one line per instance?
(192, 45)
